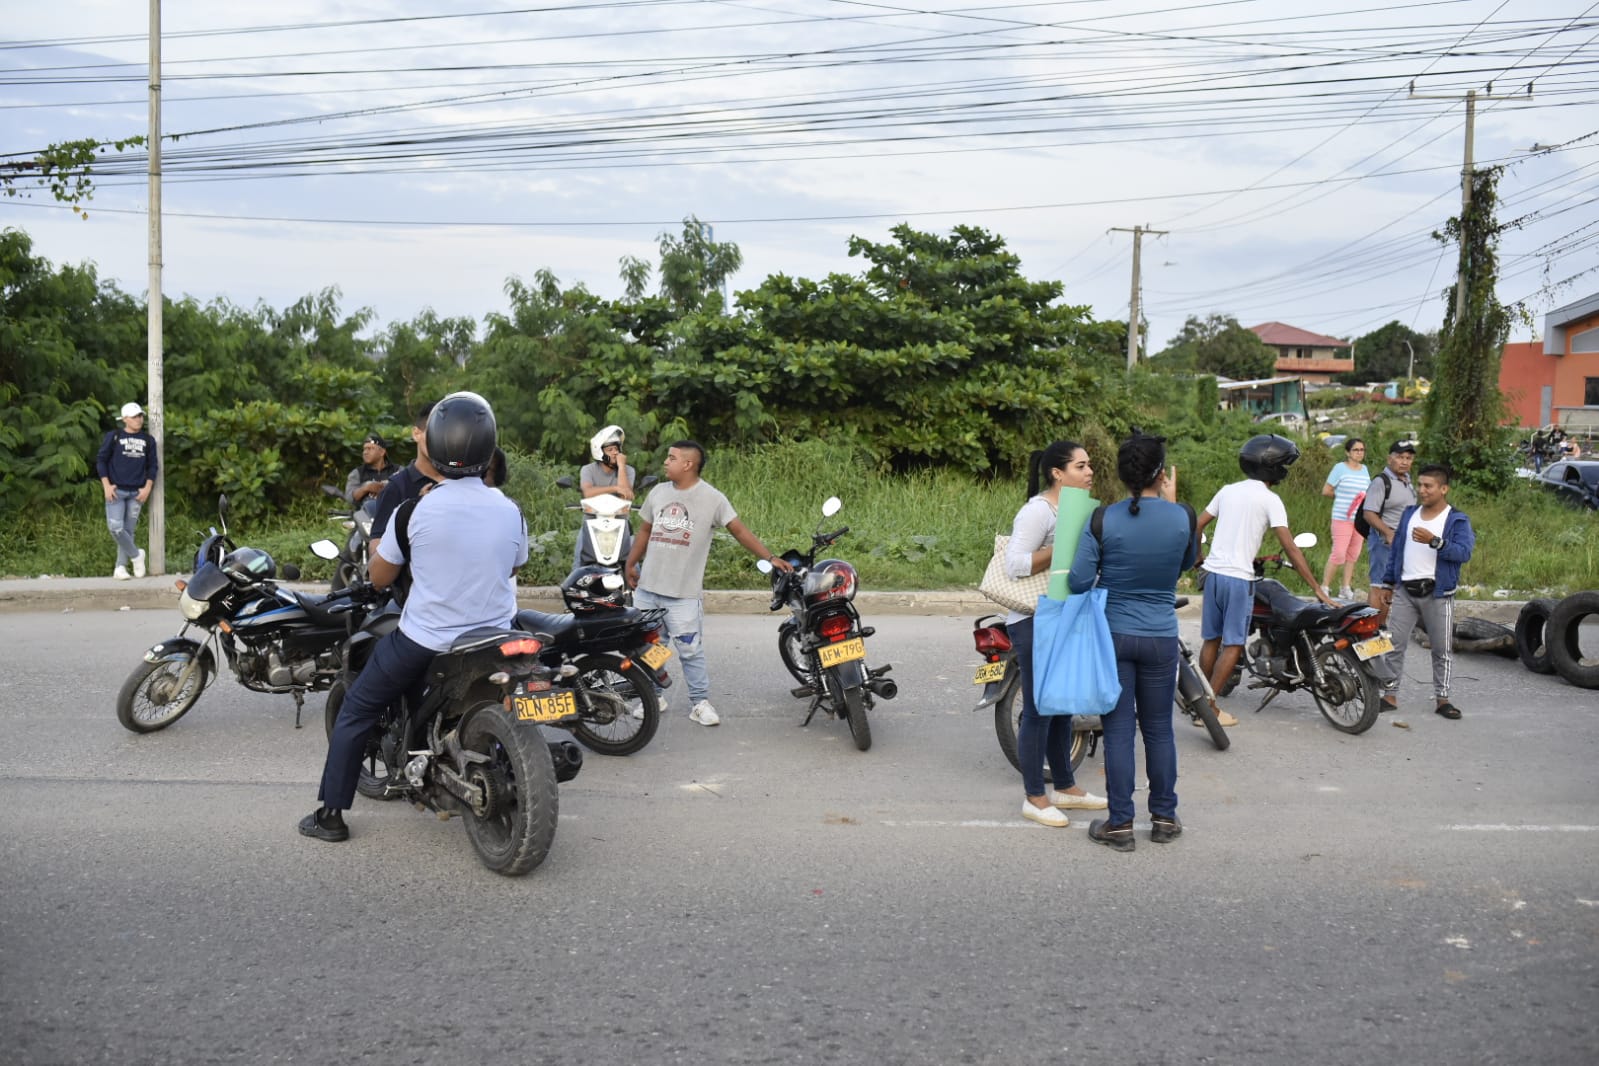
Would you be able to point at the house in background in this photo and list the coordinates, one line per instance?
(1306, 355)
(1556, 379)
(1263, 396)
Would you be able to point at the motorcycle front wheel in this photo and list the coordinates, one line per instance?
(1194, 699)
(1008, 723)
(617, 705)
(1349, 699)
(791, 647)
(155, 695)
(513, 832)
(373, 780)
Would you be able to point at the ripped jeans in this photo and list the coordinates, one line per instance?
(685, 631)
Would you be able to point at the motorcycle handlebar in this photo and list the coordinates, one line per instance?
(828, 538)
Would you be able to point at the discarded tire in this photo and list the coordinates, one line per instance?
(1561, 634)
(1532, 640)
(1475, 636)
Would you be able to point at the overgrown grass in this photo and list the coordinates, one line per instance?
(907, 531)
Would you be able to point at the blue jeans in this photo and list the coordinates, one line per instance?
(1147, 668)
(121, 518)
(1380, 551)
(397, 664)
(1039, 735)
(685, 631)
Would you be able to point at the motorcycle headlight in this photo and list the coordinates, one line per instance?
(190, 607)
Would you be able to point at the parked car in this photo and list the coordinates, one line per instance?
(1576, 481)
(1291, 420)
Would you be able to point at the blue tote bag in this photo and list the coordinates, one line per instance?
(1074, 658)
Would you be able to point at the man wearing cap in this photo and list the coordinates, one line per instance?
(1389, 493)
(366, 480)
(127, 467)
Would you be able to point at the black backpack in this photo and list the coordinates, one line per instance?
(1362, 526)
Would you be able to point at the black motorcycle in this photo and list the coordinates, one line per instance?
(274, 640)
(822, 642)
(469, 743)
(354, 556)
(1000, 676)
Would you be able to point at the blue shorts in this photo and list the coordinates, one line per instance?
(1380, 551)
(1229, 601)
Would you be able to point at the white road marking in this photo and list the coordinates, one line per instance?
(1589, 902)
(1458, 941)
(1524, 828)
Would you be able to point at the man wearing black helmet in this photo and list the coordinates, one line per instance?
(1243, 511)
(463, 544)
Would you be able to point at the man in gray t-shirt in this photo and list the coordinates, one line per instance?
(1389, 493)
(679, 518)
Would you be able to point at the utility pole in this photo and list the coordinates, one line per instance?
(1466, 171)
(1133, 309)
(156, 402)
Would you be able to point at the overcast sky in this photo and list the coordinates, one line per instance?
(417, 154)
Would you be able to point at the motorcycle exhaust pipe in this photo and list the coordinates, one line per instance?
(567, 757)
(883, 687)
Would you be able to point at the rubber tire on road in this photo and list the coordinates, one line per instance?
(1370, 696)
(1007, 720)
(855, 710)
(642, 685)
(794, 658)
(519, 839)
(1532, 636)
(369, 782)
(1561, 638)
(138, 680)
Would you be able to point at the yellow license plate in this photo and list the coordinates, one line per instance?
(655, 655)
(552, 708)
(990, 672)
(1368, 649)
(846, 651)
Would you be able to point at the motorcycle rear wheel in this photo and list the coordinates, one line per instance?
(618, 707)
(151, 698)
(1007, 723)
(790, 647)
(855, 710)
(373, 779)
(514, 835)
(1361, 700)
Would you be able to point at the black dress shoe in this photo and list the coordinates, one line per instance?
(1116, 837)
(325, 824)
(1164, 830)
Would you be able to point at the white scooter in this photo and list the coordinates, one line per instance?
(606, 533)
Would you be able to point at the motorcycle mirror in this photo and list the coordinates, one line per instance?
(647, 480)
(325, 549)
(290, 572)
(222, 512)
(1305, 540)
(564, 481)
(832, 506)
(763, 566)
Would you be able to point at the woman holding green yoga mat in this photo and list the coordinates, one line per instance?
(1063, 465)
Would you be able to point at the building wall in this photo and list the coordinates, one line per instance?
(1574, 369)
(1523, 372)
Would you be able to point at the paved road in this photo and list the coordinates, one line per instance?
(759, 893)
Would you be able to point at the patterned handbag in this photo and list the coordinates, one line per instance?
(1013, 593)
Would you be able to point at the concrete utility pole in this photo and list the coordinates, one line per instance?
(156, 403)
(1133, 309)
(1466, 171)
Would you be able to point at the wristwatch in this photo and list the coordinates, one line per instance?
(1435, 543)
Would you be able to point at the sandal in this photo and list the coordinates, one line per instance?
(1448, 710)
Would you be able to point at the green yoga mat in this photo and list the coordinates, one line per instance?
(1076, 508)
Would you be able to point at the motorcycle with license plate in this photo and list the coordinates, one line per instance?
(273, 639)
(822, 643)
(470, 743)
(1000, 675)
(1337, 654)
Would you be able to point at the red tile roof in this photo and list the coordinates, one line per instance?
(1282, 334)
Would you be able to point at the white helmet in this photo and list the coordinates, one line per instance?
(608, 435)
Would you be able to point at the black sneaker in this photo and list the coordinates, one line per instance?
(1116, 837)
(1164, 830)
(325, 824)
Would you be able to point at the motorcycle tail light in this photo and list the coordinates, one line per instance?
(524, 646)
(835, 628)
(1363, 627)
(652, 636)
(991, 640)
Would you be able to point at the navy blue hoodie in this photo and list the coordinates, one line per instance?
(127, 459)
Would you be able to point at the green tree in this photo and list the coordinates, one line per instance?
(1217, 344)
(1463, 413)
(1382, 355)
(693, 266)
(63, 169)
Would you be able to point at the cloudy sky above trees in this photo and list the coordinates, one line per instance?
(417, 154)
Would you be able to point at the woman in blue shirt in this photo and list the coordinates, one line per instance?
(1345, 483)
(1147, 542)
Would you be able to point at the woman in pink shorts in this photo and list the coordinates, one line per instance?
(1345, 484)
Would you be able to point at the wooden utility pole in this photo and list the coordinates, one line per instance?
(155, 403)
(1467, 170)
(1133, 309)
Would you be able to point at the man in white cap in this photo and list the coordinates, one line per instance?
(127, 466)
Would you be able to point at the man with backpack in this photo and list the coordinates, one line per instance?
(1389, 493)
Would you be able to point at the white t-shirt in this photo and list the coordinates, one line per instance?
(1243, 511)
(1421, 560)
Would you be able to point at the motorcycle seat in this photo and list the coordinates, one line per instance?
(473, 639)
(559, 627)
(315, 609)
(1297, 613)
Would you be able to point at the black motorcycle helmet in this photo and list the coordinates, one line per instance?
(585, 590)
(461, 435)
(1267, 457)
(250, 564)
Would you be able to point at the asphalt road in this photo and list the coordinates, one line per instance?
(761, 893)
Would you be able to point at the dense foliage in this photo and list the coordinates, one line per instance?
(1217, 344)
(1388, 352)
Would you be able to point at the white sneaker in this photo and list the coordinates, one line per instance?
(120, 573)
(1045, 816)
(1086, 802)
(138, 565)
(704, 714)
(1346, 594)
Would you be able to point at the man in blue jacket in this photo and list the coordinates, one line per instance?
(127, 467)
(1431, 543)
